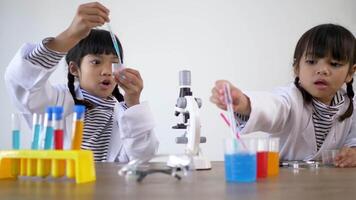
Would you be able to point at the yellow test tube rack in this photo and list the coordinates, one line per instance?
(77, 164)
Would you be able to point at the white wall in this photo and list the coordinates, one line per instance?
(248, 42)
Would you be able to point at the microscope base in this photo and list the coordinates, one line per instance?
(201, 163)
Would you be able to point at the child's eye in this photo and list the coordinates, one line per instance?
(95, 62)
(115, 60)
(335, 64)
(311, 61)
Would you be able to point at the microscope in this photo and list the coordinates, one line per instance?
(188, 107)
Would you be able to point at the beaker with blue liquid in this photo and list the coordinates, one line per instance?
(240, 160)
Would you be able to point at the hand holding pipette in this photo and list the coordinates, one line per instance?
(240, 102)
(233, 122)
(88, 16)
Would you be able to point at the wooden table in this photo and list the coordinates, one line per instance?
(322, 183)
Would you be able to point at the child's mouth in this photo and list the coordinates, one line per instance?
(321, 84)
(105, 84)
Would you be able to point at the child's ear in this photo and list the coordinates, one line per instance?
(351, 74)
(73, 69)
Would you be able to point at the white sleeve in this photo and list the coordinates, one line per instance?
(269, 111)
(351, 137)
(27, 84)
(136, 130)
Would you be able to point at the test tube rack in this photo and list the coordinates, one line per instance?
(76, 164)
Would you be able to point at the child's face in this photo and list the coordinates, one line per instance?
(323, 77)
(95, 74)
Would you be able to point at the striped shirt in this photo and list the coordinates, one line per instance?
(323, 117)
(241, 120)
(98, 125)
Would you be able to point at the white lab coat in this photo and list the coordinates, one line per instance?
(28, 87)
(284, 114)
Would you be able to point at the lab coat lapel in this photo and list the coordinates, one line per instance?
(114, 146)
(309, 132)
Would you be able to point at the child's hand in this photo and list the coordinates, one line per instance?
(346, 157)
(241, 103)
(131, 82)
(88, 16)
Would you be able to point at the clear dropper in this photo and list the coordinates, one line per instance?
(230, 111)
(115, 66)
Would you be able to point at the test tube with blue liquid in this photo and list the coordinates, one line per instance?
(16, 134)
(48, 126)
(36, 129)
(16, 131)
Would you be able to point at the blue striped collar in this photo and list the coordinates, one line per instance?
(332, 109)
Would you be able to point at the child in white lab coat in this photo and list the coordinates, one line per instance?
(313, 114)
(117, 128)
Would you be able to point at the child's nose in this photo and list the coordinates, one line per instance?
(106, 71)
(322, 70)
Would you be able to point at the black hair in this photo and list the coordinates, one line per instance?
(97, 42)
(323, 41)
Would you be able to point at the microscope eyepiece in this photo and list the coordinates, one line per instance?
(184, 83)
(184, 78)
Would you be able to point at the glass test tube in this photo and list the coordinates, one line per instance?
(16, 127)
(78, 126)
(273, 157)
(36, 129)
(48, 125)
(58, 127)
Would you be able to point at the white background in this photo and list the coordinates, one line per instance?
(250, 43)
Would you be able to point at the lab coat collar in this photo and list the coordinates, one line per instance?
(333, 136)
